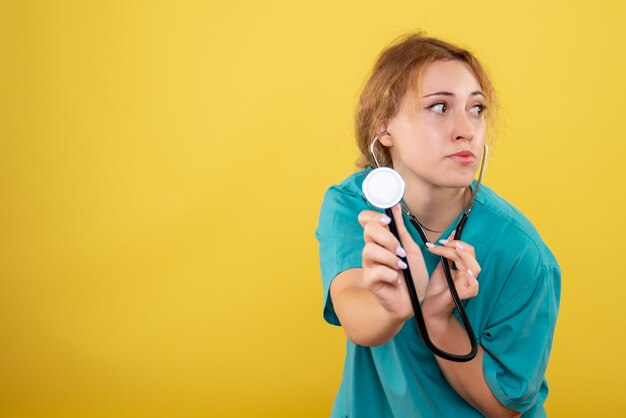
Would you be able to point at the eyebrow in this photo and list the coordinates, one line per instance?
(447, 93)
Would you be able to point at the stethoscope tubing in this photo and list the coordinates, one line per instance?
(417, 309)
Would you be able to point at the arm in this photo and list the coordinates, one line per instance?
(372, 302)
(466, 378)
(364, 320)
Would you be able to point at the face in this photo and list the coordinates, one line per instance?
(438, 133)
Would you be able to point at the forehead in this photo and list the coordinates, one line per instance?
(452, 76)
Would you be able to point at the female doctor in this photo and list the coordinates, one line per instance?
(424, 112)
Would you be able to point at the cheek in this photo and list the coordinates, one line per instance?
(432, 133)
(480, 131)
(420, 145)
(430, 140)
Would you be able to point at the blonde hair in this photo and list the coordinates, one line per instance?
(391, 77)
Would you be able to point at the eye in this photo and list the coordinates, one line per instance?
(438, 108)
(478, 109)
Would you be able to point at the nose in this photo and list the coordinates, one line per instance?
(462, 128)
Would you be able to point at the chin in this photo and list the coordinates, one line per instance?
(456, 182)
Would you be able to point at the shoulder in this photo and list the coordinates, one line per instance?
(342, 203)
(349, 188)
(512, 232)
(520, 269)
(341, 206)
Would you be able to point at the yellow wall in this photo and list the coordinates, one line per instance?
(162, 166)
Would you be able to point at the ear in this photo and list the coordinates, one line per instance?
(386, 139)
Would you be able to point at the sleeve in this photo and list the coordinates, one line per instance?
(340, 239)
(518, 335)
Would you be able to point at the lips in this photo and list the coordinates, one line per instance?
(463, 157)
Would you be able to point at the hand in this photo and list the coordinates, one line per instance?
(382, 265)
(438, 304)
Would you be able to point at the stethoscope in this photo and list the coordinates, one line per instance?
(384, 188)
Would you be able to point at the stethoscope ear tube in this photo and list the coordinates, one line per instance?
(417, 309)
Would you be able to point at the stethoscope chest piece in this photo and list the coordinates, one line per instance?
(383, 187)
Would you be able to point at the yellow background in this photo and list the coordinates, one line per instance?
(162, 165)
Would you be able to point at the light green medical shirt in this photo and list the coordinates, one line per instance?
(513, 316)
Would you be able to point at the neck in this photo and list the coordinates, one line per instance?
(435, 207)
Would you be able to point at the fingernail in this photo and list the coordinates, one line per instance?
(430, 245)
(469, 272)
(459, 246)
(399, 282)
(402, 265)
(400, 252)
(385, 220)
(443, 241)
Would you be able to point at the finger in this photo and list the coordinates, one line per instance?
(449, 253)
(368, 216)
(451, 242)
(381, 235)
(461, 246)
(466, 285)
(415, 259)
(405, 238)
(380, 275)
(473, 268)
(374, 254)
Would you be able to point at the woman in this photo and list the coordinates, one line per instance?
(425, 108)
